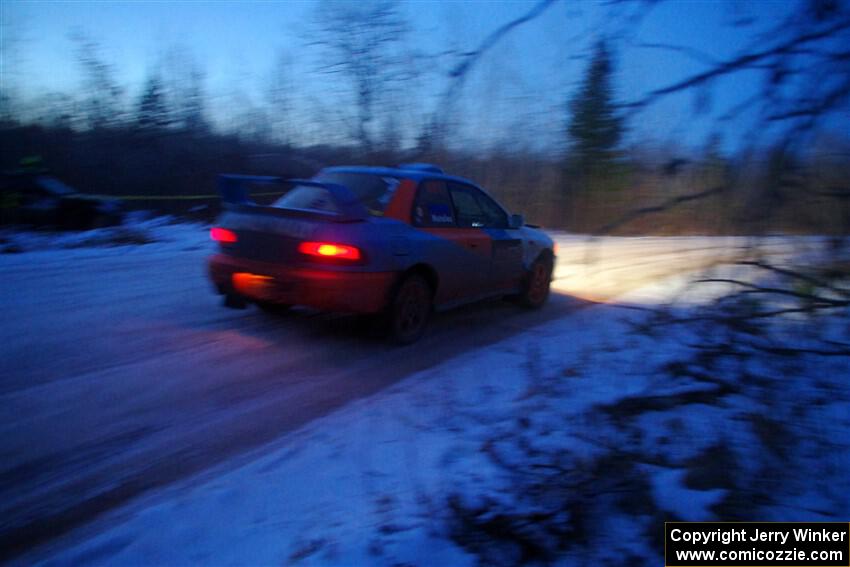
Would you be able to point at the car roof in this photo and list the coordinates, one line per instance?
(414, 173)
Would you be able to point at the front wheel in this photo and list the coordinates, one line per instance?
(536, 289)
(409, 310)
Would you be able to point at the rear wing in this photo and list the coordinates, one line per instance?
(235, 194)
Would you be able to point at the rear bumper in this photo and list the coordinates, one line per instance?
(327, 290)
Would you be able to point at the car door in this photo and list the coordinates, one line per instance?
(477, 211)
(461, 255)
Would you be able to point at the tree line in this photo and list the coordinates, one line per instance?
(162, 141)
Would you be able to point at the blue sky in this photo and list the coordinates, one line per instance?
(521, 86)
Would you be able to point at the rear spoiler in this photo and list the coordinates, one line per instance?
(235, 196)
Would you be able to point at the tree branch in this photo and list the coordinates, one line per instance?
(695, 54)
(632, 215)
(459, 72)
(738, 63)
(779, 291)
(797, 275)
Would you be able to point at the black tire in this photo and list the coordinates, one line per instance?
(273, 308)
(409, 310)
(535, 291)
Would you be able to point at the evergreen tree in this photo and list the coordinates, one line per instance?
(595, 128)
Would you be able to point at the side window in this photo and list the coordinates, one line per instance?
(475, 209)
(496, 216)
(433, 206)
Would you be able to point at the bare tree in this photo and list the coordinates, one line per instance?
(55, 110)
(279, 98)
(11, 38)
(804, 62)
(459, 72)
(101, 93)
(183, 81)
(249, 121)
(362, 42)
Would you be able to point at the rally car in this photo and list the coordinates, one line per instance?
(395, 241)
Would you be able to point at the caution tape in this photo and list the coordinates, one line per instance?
(178, 197)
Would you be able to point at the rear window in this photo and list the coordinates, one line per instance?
(372, 191)
(308, 198)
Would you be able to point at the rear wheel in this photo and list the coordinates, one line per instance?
(536, 289)
(410, 309)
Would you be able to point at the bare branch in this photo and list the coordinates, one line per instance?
(797, 275)
(669, 204)
(738, 63)
(695, 54)
(457, 74)
(472, 57)
(827, 102)
(779, 291)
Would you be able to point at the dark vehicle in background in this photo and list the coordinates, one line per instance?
(394, 241)
(41, 200)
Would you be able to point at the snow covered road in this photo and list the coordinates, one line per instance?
(122, 373)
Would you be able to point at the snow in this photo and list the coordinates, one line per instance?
(671, 494)
(359, 487)
(140, 233)
(371, 483)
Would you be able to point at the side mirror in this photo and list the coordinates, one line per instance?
(516, 221)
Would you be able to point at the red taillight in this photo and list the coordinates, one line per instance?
(223, 236)
(330, 250)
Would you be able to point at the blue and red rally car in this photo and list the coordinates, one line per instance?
(399, 241)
